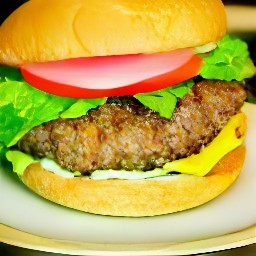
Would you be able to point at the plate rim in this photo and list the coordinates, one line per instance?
(26, 240)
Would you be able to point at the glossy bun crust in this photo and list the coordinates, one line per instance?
(136, 198)
(51, 30)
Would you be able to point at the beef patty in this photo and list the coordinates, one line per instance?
(124, 134)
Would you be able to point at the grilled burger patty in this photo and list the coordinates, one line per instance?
(123, 134)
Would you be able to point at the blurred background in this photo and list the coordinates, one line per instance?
(8, 6)
(239, 2)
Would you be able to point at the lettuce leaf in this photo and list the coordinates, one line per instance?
(229, 61)
(23, 107)
(164, 101)
(20, 161)
(81, 107)
(3, 151)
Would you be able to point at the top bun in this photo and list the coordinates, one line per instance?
(42, 31)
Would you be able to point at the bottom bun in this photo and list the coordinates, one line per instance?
(136, 198)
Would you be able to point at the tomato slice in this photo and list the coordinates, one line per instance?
(96, 77)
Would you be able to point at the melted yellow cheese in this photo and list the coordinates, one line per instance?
(231, 136)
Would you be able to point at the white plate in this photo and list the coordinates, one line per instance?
(25, 240)
(231, 212)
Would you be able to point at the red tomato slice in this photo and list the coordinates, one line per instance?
(96, 77)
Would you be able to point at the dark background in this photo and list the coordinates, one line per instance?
(7, 6)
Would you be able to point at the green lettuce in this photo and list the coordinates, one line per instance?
(229, 61)
(19, 160)
(81, 107)
(23, 107)
(3, 151)
(164, 101)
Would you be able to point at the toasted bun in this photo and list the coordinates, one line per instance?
(136, 198)
(43, 31)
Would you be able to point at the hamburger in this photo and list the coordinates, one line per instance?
(123, 108)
